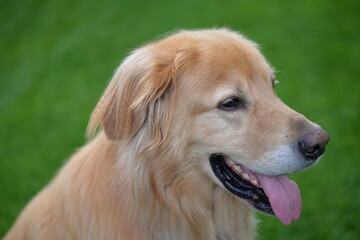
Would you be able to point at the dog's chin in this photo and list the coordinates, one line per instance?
(273, 195)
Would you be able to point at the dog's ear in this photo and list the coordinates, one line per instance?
(140, 81)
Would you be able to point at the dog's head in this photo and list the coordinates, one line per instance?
(204, 102)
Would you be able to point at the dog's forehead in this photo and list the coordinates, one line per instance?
(238, 61)
(226, 56)
(240, 66)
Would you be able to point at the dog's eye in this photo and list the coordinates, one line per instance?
(230, 104)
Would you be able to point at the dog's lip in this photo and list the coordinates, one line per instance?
(275, 195)
(243, 172)
(239, 186)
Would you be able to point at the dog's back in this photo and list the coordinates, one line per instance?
(83, 197)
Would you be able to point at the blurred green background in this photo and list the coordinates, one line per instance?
(57, 57)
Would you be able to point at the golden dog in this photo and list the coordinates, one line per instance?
(194, 138)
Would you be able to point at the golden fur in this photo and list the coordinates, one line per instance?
(146, 175)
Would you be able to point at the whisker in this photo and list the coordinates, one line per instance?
(282, 72)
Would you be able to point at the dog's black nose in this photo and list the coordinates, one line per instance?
(313, 144)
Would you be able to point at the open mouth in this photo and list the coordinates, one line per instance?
(274, 195)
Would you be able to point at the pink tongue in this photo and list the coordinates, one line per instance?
(284, 196)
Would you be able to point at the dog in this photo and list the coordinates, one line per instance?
(187, 140)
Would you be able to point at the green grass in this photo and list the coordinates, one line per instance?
(57, 56)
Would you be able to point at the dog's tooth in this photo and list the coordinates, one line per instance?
(255, 182)
(229, 162)
(246, 176)
(238, 168)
